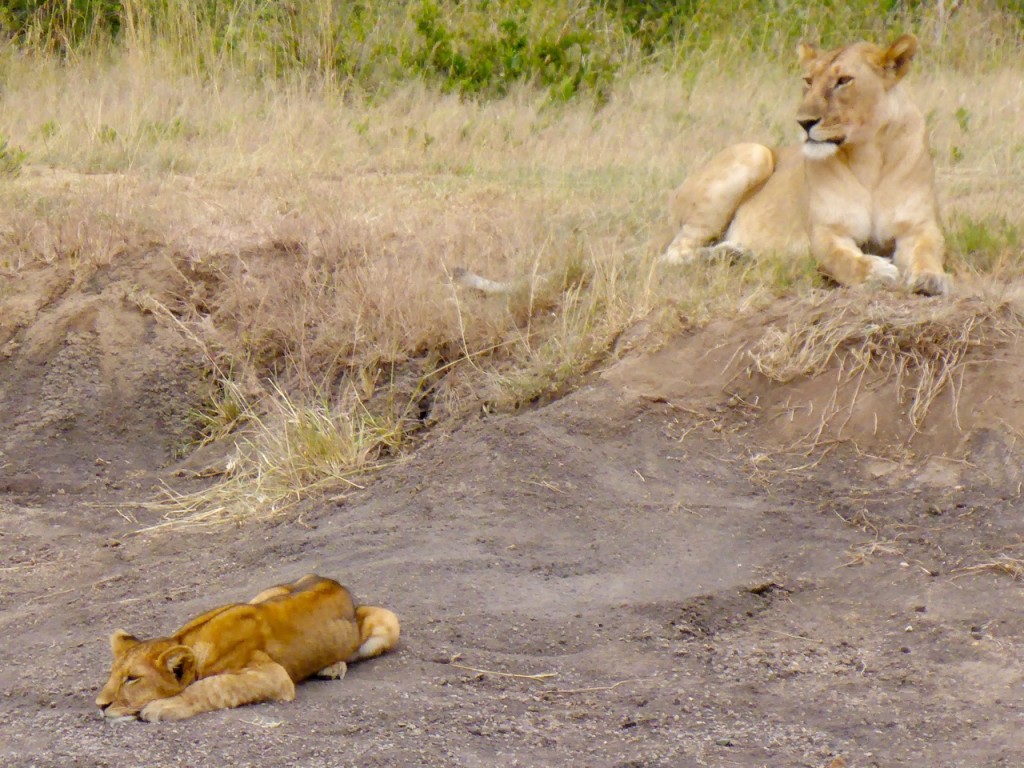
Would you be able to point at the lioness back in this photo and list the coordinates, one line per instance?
(247, 652)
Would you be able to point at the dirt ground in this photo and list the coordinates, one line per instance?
(652, 571)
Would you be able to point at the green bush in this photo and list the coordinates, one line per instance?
(11, 158)
(60, 25)
(476, 48)
(484, 47)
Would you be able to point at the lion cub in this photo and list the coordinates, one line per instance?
(245, 652)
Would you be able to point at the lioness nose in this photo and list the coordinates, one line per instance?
(808, 123)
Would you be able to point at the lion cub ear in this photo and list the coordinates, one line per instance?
(121, 642)
(897, 57)
(806, 53)
(180, 662)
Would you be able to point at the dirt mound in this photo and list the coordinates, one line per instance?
(575, 585)
(93, 386)
(99, 384)
(894, 378)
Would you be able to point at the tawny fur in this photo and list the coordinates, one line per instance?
(245, 653)
(858, 194)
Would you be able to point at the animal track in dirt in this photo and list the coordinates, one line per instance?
(708, 615)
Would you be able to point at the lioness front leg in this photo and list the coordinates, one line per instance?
(847, 264)
(919, 258)
(266, 681)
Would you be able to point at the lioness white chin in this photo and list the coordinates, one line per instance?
(858, 193)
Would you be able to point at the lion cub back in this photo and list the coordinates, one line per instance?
(307, 626)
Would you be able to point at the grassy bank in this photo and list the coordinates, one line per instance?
(314, 214)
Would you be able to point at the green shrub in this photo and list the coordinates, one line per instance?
(479, 48)
(60, 25)
(11, 158)
(484, 47)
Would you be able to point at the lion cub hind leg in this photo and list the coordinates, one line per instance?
(706, 202)
(378, 631)
(267, 594)
(280, 590)
(266, 680)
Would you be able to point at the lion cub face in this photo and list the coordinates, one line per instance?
(143, 671)
(845, 100)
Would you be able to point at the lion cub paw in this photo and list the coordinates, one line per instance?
(882, 272)
(165, 709)
(930, 283)
(335, 671)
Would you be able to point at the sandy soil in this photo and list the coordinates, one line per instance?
(648, 572)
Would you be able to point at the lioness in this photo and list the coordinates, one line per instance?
(244, 653)
(859, 193)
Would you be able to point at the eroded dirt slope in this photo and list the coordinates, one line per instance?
(699, 591)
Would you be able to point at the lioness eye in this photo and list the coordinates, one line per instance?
(808, 80)
(844, 80)
(130, 679)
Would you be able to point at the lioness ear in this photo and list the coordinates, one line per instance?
(897, 58)
(180, 662)
(806, 53)
(121, 641)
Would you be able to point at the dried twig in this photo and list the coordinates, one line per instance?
(595, 689)
(453, 661)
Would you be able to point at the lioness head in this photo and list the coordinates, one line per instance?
(845, 99)
(143, 671)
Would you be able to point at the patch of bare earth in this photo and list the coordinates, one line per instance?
(694, 560)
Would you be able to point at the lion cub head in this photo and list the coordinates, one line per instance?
(144, 671)
(846, 97)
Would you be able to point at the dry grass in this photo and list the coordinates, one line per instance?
(862, 554)
(1004, 564)
(288, 452)
(311, 236)
(923, 346)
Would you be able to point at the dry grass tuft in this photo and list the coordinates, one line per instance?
(1005, 564)
(861, 554)
(922, 344)
(289, 452)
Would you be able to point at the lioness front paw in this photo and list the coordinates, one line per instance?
(725, 251)
(930, 283)
(882, 272)
(164, 709)
(675, 254)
